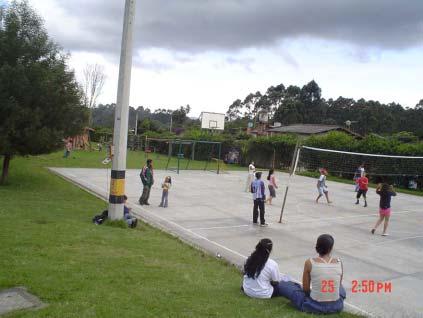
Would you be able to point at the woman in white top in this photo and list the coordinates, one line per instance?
(261, 274)
(322, 291)
(250, 177)
(321, 185)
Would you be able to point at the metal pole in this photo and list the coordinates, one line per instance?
(120, 133)
(294, 164)
(136, 123)
(171, 122)
(218, 159)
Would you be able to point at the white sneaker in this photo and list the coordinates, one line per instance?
(385, 234)
(264, 224)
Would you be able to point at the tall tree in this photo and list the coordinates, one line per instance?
(40, 100)
(94, 79)
(234, 110)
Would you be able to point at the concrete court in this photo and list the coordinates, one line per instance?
(213, 212)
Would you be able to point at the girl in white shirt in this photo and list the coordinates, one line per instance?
(261, 274)
(250, 177)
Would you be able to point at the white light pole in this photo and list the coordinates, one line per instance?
(120, 133)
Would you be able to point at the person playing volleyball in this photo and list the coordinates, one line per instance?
(321, 186)
(386, 192)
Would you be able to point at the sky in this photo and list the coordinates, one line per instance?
(208, 53)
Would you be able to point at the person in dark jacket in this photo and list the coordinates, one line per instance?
(147, 180)
(259, 197)
(386, 192)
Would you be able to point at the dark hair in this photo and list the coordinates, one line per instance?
(271, 171)
(170, 179)
(125, 197)
(385, 187)
(324, 244)
(258, 175)
(255, 263)
(149, 161)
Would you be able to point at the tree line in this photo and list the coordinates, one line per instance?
(305, 105)
(158, 120)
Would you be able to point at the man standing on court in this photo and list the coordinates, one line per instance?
(250, 177)
(258, 190)
(147, 182)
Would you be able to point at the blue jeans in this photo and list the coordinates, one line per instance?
(128, 219)
(300, 300)
(165, 195)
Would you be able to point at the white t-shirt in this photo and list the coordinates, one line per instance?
(251, 169)
(322, 181)
(260, 287)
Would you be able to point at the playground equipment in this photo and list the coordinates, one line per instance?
(181, 154)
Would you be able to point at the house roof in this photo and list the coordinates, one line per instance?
(309, 129)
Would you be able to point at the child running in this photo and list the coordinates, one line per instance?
(386, 192)
(271, 185)
(321, 186)
(165, 193)
(363, 186)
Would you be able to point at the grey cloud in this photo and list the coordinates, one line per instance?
(195, 26)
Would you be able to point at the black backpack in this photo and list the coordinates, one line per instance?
(100, 218)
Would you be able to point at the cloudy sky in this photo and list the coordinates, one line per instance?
(207, 53)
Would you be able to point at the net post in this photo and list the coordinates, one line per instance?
(218, 159)
(294, 164)
(179, 154)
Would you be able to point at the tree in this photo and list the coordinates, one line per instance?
(179, 116)
(234, 110)
(40, 100)
(94, 79)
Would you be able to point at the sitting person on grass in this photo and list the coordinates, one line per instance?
(129, 219)
(261, 274)
(322, 291)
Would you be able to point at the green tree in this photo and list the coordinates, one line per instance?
(179, 116)
(40, 100)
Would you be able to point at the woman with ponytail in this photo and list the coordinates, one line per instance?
(261, 274)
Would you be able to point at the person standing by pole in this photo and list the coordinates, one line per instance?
(147, 180)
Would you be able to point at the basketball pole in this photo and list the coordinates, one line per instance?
(294, 164)
(120, 132)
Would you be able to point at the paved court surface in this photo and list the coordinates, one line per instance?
(212, 211)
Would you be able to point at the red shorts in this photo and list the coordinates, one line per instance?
(385, 212)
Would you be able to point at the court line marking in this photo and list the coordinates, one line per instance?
(218, 227)
(368, 314)
(382, 242)
(310, 219)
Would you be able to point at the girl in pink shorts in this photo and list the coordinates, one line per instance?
(386, 192)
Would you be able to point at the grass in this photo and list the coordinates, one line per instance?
(49, 245)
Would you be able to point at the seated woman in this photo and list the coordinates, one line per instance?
(261, 274)
(322, 291)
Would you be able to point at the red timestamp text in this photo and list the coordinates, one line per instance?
(371, 286)
(359, 286)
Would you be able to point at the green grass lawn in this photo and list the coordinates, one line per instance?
(49, 245)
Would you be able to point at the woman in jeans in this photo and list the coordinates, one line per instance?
(322, 291)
